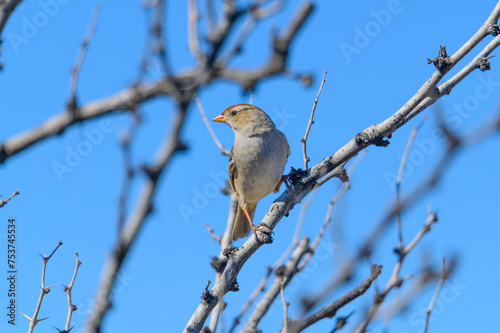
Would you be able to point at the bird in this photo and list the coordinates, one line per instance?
(256, 163)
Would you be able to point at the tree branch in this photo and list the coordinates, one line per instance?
(71, 306)
(4, 202)
(43, 291)
(444, 276)
(331, 309)
(311, 121)
(75, 71)
(128, 234)
(373, 135)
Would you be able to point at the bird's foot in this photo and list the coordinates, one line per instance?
(262, 227)
(288, 183)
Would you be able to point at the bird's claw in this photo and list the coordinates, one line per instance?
(262, 227)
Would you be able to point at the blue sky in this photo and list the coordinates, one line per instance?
(368, 80)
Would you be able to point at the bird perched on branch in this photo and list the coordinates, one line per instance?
(256, 162)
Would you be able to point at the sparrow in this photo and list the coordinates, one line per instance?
(256, 162)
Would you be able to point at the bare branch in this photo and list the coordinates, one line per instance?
(400, 177)
(75, 71)
(209, 127)
(346, 270)
(277, 63)
(311, 121)
(4, 202)
(171, 145)
(284, 275)
(225, 242)
(260, 287)
(285, 306)
(444, 276)
(331, 309)
(43, 291)
(212, 233)
(129, 174)
(158, 35)
(71, 306)
(193, 18)
(395, 280)
(7, 7)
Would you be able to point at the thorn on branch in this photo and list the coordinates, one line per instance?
(442, 62)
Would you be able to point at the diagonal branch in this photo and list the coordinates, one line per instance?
(330, 310)
(444, 276)
(128, 234)
(43, 291)
(7, 7)
(210, 129)
(311, 121)
(4, 202)
(71, 307)
(75, 71)
(395, 281)
(284, 275)
(373, 135)
(277, 63)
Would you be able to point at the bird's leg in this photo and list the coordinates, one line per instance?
(262, 227)
(288, 183)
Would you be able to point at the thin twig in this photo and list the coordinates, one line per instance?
(158, 35)
(444, 276)
(214, 235)
(4, 202)
(193, 18)
(329, 212)
(420, 281)
(225, 242)
(209, 127)
(284, 274)
(263, 282)
(129, 174)
(71, 306)
(171, 145)
(285, 306)
(311, 121)
(395, 280)
(75, 71)
(43, 290)
(399, 179)
(330, 310)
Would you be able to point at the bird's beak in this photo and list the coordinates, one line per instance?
(220, 119)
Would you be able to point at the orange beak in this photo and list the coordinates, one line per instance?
(220, 119)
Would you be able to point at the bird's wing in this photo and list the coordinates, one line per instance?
(233, 171)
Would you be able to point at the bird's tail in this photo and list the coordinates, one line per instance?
(241, 227)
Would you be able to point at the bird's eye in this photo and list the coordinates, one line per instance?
(234, 112)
